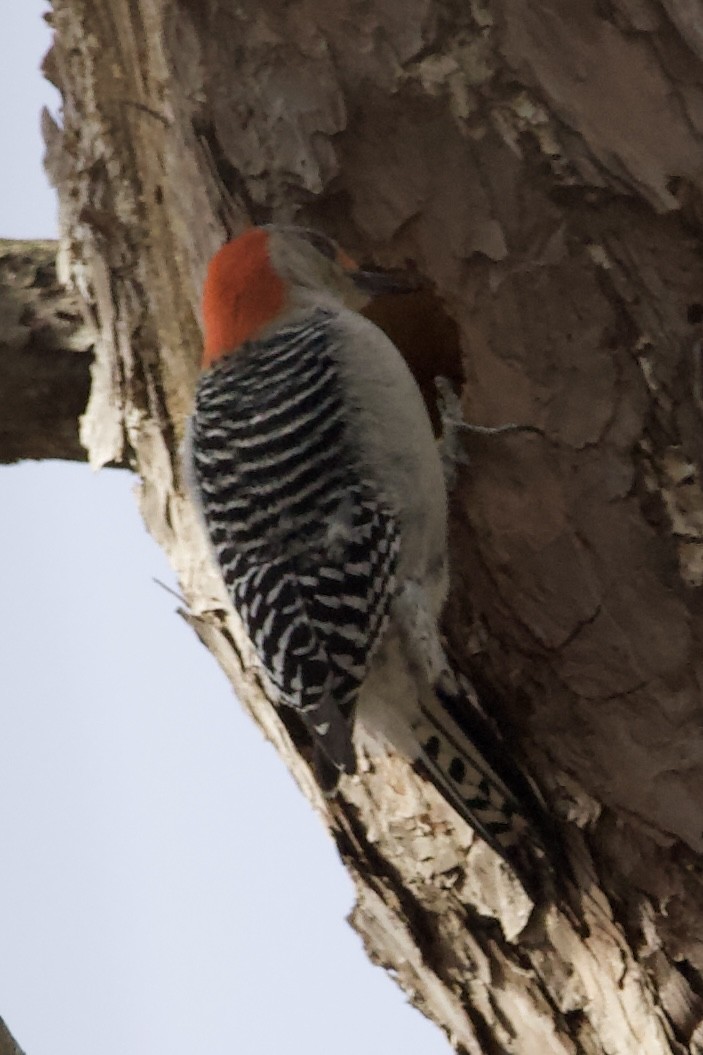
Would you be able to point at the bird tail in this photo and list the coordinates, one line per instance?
(333, 747)
(474, 771)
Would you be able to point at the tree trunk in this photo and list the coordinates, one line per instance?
(540, 164)
(8, 1044)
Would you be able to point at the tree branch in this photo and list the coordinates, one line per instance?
(45, 356)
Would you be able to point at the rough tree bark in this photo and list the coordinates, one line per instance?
(540, 163)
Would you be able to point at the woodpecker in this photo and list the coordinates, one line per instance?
(313, 463)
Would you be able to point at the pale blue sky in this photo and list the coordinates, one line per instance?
(165, 889)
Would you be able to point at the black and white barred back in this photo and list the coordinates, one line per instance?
(307, 547)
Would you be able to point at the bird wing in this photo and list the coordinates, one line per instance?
(306, 547)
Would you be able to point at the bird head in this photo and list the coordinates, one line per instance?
(255, 281)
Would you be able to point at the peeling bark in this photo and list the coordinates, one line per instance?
(540, 163)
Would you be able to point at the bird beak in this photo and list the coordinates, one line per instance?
(376, 283)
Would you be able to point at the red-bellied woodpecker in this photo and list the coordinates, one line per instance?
(313, 462)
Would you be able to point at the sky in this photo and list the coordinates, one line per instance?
(165, 888)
